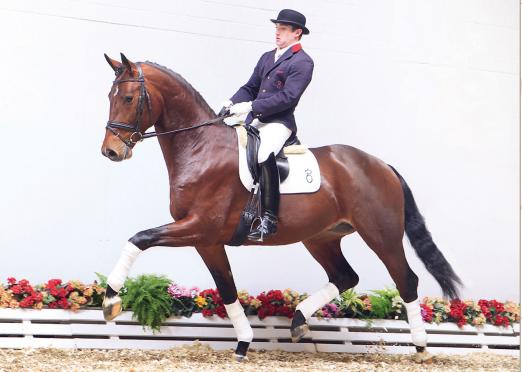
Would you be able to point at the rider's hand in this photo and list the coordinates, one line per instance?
(241, 108)
(225, 110)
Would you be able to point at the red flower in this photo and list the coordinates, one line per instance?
(457, 309)
(63, 303)
(52, 283)
(11, 281)
(38, 297)
(16, 289)
(221, 311)
(27, 302)
(427, 313)
(206, 312)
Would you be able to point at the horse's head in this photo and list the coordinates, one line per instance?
(130, 110)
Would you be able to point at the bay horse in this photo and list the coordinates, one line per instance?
(358, 193)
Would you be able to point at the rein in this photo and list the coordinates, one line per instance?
(136, 135)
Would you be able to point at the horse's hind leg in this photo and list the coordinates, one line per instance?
(215, 257)
(341, 276)
(384, 236)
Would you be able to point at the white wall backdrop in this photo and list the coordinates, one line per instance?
(431, 87)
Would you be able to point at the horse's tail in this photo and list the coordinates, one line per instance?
(421, 240)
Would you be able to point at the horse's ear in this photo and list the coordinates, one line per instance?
(128, 64)
(115, 65)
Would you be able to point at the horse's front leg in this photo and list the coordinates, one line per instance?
(181, 233)
(215, 257)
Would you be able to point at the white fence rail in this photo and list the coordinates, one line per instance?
(87, 329)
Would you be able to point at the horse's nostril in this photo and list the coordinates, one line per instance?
(111, 153)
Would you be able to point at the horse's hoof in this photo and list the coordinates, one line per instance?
(241, 351)
(111, 307)
(423, 357)
(240, 358)
(299, 332)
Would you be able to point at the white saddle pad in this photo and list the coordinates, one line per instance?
(304, 175)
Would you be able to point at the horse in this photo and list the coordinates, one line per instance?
(358, 193)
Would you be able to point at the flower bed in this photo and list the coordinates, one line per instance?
(153, 299)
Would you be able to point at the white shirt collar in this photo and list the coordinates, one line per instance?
(280, 52)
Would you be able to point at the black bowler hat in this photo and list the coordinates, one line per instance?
(292, 17)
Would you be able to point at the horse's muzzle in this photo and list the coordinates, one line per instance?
(114, 155)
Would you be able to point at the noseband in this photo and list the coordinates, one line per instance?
(113, 125)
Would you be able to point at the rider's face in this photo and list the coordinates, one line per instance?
(285, 36)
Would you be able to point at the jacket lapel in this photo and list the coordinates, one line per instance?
(286, 55)
(269, 63)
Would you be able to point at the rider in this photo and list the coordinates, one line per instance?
(269, 98)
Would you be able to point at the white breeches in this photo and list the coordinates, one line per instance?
(273, 137)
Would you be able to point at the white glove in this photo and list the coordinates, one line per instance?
(241, 108)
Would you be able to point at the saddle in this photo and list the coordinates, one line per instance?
(253, 141)
(248, 137)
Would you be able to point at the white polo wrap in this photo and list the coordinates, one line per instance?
(317, 300)
(418, 333)
(121, 270)
(240, 322)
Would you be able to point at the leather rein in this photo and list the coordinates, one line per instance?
(136, 135)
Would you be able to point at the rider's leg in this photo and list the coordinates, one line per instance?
(273, 137)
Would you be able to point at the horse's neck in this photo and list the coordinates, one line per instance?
(190, 154)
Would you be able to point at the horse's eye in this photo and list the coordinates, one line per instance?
(128, 99)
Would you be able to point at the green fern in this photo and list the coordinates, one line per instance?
(149, 300)
(381, 300)
(103, 280)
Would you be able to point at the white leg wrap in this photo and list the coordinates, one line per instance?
(121, 270)
(237, 316)
(317, 300)
(418, 333)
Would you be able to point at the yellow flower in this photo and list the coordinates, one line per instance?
(81, 300)
(513, 311)
(201, 302)
(479, 320)
(76, 284)
(88, 292)
(255, 303)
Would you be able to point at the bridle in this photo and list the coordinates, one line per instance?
(113, 125)
(137, 135)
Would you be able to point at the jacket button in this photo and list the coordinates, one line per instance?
(264, 90)
(268, 77)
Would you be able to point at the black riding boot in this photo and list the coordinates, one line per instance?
(269, 183)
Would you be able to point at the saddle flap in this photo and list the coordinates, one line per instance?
(299, 170)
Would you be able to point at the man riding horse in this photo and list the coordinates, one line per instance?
(358, 193)
(269, 98)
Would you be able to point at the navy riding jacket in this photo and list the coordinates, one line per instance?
(276, 87)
